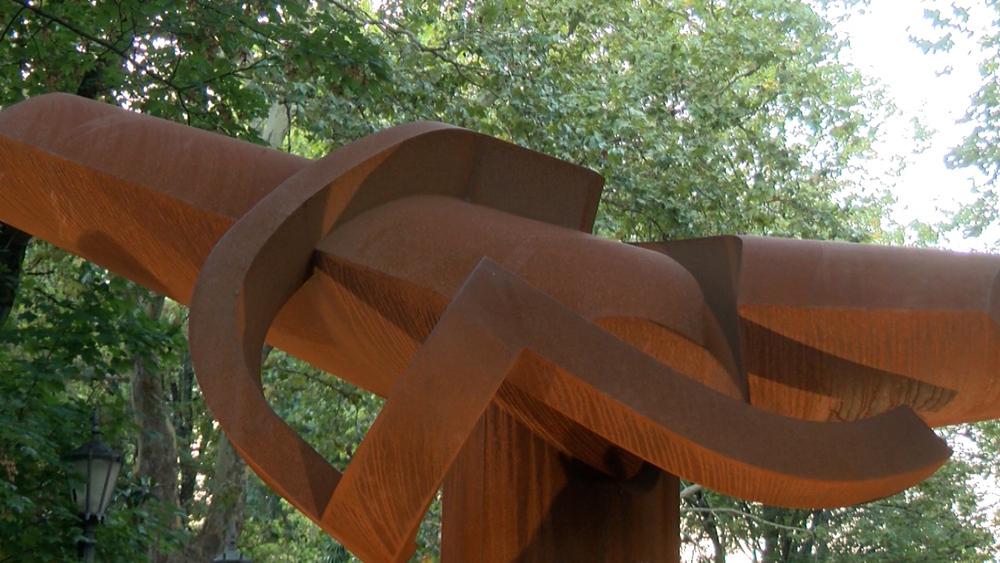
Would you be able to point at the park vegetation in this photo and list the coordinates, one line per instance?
(705, 116)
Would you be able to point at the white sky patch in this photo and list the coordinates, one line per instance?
(881, 48)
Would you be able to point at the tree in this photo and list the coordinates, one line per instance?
(939, 520)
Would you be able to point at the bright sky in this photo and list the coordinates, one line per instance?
(880, 47)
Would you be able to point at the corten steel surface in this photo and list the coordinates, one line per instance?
(453, 274)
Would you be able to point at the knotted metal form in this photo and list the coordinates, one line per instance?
(453, 273)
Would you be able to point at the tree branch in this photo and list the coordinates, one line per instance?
(91, 37)
(749, 516)
(396, 30)
(125, 55)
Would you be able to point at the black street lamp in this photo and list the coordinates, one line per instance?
(232, 554)
(99, 465)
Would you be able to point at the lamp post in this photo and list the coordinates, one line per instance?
(99, 465)
(232, 554)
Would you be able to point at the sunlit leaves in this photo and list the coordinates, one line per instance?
(704, 118)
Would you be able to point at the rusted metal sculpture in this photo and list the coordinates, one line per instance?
(553, 381)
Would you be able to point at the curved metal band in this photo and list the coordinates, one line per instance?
(252, 271)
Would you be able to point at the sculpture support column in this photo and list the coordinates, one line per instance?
(510, 496)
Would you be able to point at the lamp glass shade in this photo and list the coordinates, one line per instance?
(98, 466)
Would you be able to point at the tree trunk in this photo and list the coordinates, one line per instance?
(156, 457)
(13, 244)
(228, 506)
(772, 552)
(182, 392)
(710, 525)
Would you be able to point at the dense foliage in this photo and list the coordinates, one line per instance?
(705, 117)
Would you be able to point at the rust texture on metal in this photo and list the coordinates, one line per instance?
(455, 275)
